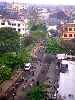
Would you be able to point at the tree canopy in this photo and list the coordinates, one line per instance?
(9, 40)
(13, 52)
(53, 46)
(39, 31)
(5, 72)
(36, 93)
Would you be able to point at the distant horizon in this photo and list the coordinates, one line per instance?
(43, 2)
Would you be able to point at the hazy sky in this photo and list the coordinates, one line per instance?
(55, 2)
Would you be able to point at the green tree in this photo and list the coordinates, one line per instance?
(14, 61)
(38, 31)
(5, 72)
(26, 41)
(53, 46)
(25, 55)
(9, 46)
(36, 93)
(9, 40)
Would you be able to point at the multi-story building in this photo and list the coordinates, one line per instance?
(18, 6)
(43, 15)
(53, 20)
(17, 25)
(68, 31)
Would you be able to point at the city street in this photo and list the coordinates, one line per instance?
(42, 70)
(37, 50)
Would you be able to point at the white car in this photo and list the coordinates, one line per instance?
(61, 56)
(27, 66)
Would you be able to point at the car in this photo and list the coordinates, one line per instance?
(61, 56)
(27, 66)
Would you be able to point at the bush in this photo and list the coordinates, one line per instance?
(36, 93)
(5, 73)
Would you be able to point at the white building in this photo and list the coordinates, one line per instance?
(17, 25)
(18, 6)
(43, 14)
(52, 28)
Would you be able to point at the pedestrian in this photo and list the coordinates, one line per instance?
(32, 73)
(58, 63)
(0, 89)
(26, 81)
(24, 86)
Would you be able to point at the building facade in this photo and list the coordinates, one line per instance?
(68, 31)
(18, 6)
(17, 25)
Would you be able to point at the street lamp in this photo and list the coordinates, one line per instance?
(70, 52)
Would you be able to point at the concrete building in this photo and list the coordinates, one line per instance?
(18, 6)
(43, 15)
(53, 20)
(17, 25)
(68, 31)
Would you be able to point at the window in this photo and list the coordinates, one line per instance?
(70, 35)
(66, 29)
(13, 24)
(70, 29)
(19, 30)
(14, 29)
(23, 28)
(2, 23)
(74, 29)
(18, 25)
(9, 23)
(65, 35)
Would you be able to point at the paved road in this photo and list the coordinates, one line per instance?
(29, 79)
(42, 72)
